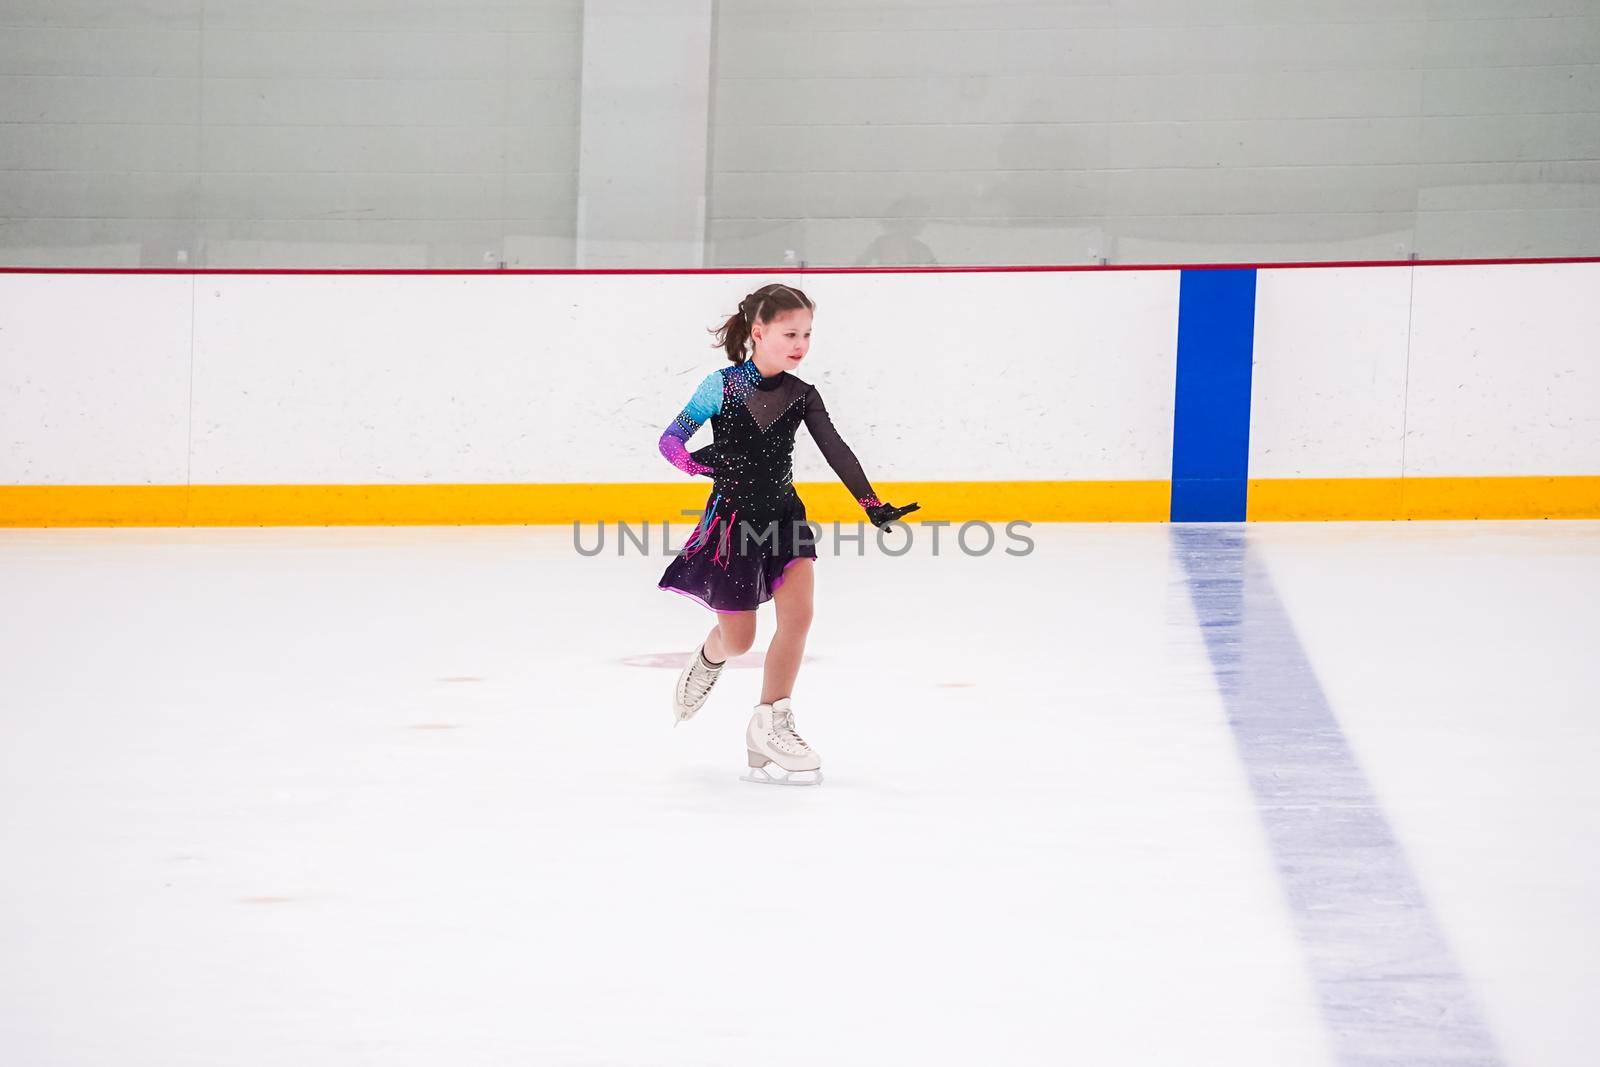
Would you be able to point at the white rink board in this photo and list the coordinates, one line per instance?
(94, 379)
(408, 379)
(1031, 375)
(1505, 371)
(1328, 388)
(374, 379)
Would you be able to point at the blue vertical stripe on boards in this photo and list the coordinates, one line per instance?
(1211, 409)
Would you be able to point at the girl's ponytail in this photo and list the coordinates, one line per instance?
(763, 305)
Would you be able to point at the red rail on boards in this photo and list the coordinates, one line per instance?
(807, 270)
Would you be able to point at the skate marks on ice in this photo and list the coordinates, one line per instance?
(453, 679)
(1389, 988)
(270, 900)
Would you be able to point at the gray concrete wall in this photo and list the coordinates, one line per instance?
(875, 131)
(299, 133)
(446, 133)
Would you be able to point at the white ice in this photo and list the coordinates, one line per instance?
(413, 796)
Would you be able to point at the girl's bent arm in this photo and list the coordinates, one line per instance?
(706, 402)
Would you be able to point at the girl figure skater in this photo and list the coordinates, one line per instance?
(752, 543)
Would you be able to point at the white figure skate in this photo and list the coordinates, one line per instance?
(694, 685)
(773, 745)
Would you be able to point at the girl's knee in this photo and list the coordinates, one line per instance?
(738, 632)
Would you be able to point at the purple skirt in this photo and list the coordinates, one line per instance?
(734, 561)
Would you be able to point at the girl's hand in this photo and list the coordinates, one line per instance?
(886, 513)
(707, 458)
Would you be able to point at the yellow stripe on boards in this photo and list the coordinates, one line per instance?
(1571, 497)
(1033, 501)
(1313, 499)
(1318, 499)
(1271, 500)
(447, 505)
(94, 505)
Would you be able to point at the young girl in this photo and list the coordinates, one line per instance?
(753, 543)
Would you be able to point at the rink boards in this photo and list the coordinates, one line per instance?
(1207, 393)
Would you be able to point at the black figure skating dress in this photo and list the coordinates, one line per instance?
(754, 525)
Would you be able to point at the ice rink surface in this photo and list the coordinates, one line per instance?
(1279, 794)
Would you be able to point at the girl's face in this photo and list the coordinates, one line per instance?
(783, 342)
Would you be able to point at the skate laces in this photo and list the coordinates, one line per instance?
(700, 680)
(783, 724)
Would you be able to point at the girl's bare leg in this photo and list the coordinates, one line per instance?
(733, 635)
(793, 601)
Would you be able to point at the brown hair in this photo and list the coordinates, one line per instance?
(763, 305)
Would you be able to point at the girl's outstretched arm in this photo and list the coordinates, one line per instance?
(844, 462)
(836, 452)
(706, 402)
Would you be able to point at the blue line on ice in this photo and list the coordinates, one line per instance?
(1389, 988)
